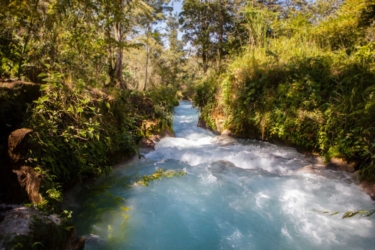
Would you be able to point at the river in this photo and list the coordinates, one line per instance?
(242, 194)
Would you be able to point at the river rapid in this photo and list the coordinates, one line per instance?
(240, 194)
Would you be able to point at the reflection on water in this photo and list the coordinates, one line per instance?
(239, 195)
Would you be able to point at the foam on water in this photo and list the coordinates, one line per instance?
(245, 195)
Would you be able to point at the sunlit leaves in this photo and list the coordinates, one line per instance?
(348, 214)
(158, 175)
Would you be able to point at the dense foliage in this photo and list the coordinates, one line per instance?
(305, 77)
(81, 132)
(104, 73)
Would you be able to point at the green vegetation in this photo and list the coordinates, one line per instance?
(158, 175)
(299, 72)
(46, 234)
(81, 132)
(305, 76)
(349, 214)
(104, 74)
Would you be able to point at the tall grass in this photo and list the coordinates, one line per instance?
(308, 84)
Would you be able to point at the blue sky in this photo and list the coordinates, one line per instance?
(177, 6)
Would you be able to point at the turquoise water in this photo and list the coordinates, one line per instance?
(243, 195)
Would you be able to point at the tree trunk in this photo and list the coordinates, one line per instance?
(119, 34)
(146, 73)
(119, 56)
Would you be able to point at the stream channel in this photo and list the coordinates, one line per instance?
(240, 194)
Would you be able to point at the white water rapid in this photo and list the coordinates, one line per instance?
(240, 195)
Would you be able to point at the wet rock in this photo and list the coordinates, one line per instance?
(74, 242)
(222, 165)
(368, 187)
(339, 164)
(15, 221)
(167, 133)
(93, 242)
(219, 124)
(148, 144)
(321, 169)
(226, 132)
(224, 140)
(311, 169)
(202, 123)
(24, 227)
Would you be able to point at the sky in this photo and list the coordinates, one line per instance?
(177, 6)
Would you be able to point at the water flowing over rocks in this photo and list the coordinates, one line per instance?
(235, 194)
(149, 143)
(224, 140)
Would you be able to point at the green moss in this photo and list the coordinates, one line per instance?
(158, 175)
(45, 234)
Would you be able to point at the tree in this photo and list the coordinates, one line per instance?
(195, 19)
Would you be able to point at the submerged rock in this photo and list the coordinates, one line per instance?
(224, 140)
(323, 170)
(93, 242)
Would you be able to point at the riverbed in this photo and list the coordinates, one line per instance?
(221, 193)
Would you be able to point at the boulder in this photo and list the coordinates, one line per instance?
(93, 242)
(27, 227)
(226, 132)
(224, 140)
(368, 187)
(311, 169)
(147, 144)
(202, 123)
(339, 164)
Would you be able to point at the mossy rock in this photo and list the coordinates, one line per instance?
(27, 228)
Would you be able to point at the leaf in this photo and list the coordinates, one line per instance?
(38, 244)
(349, 214)
(68, 228)
(369, 213)
(322, 212)
(82, 133)
(41, 75)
